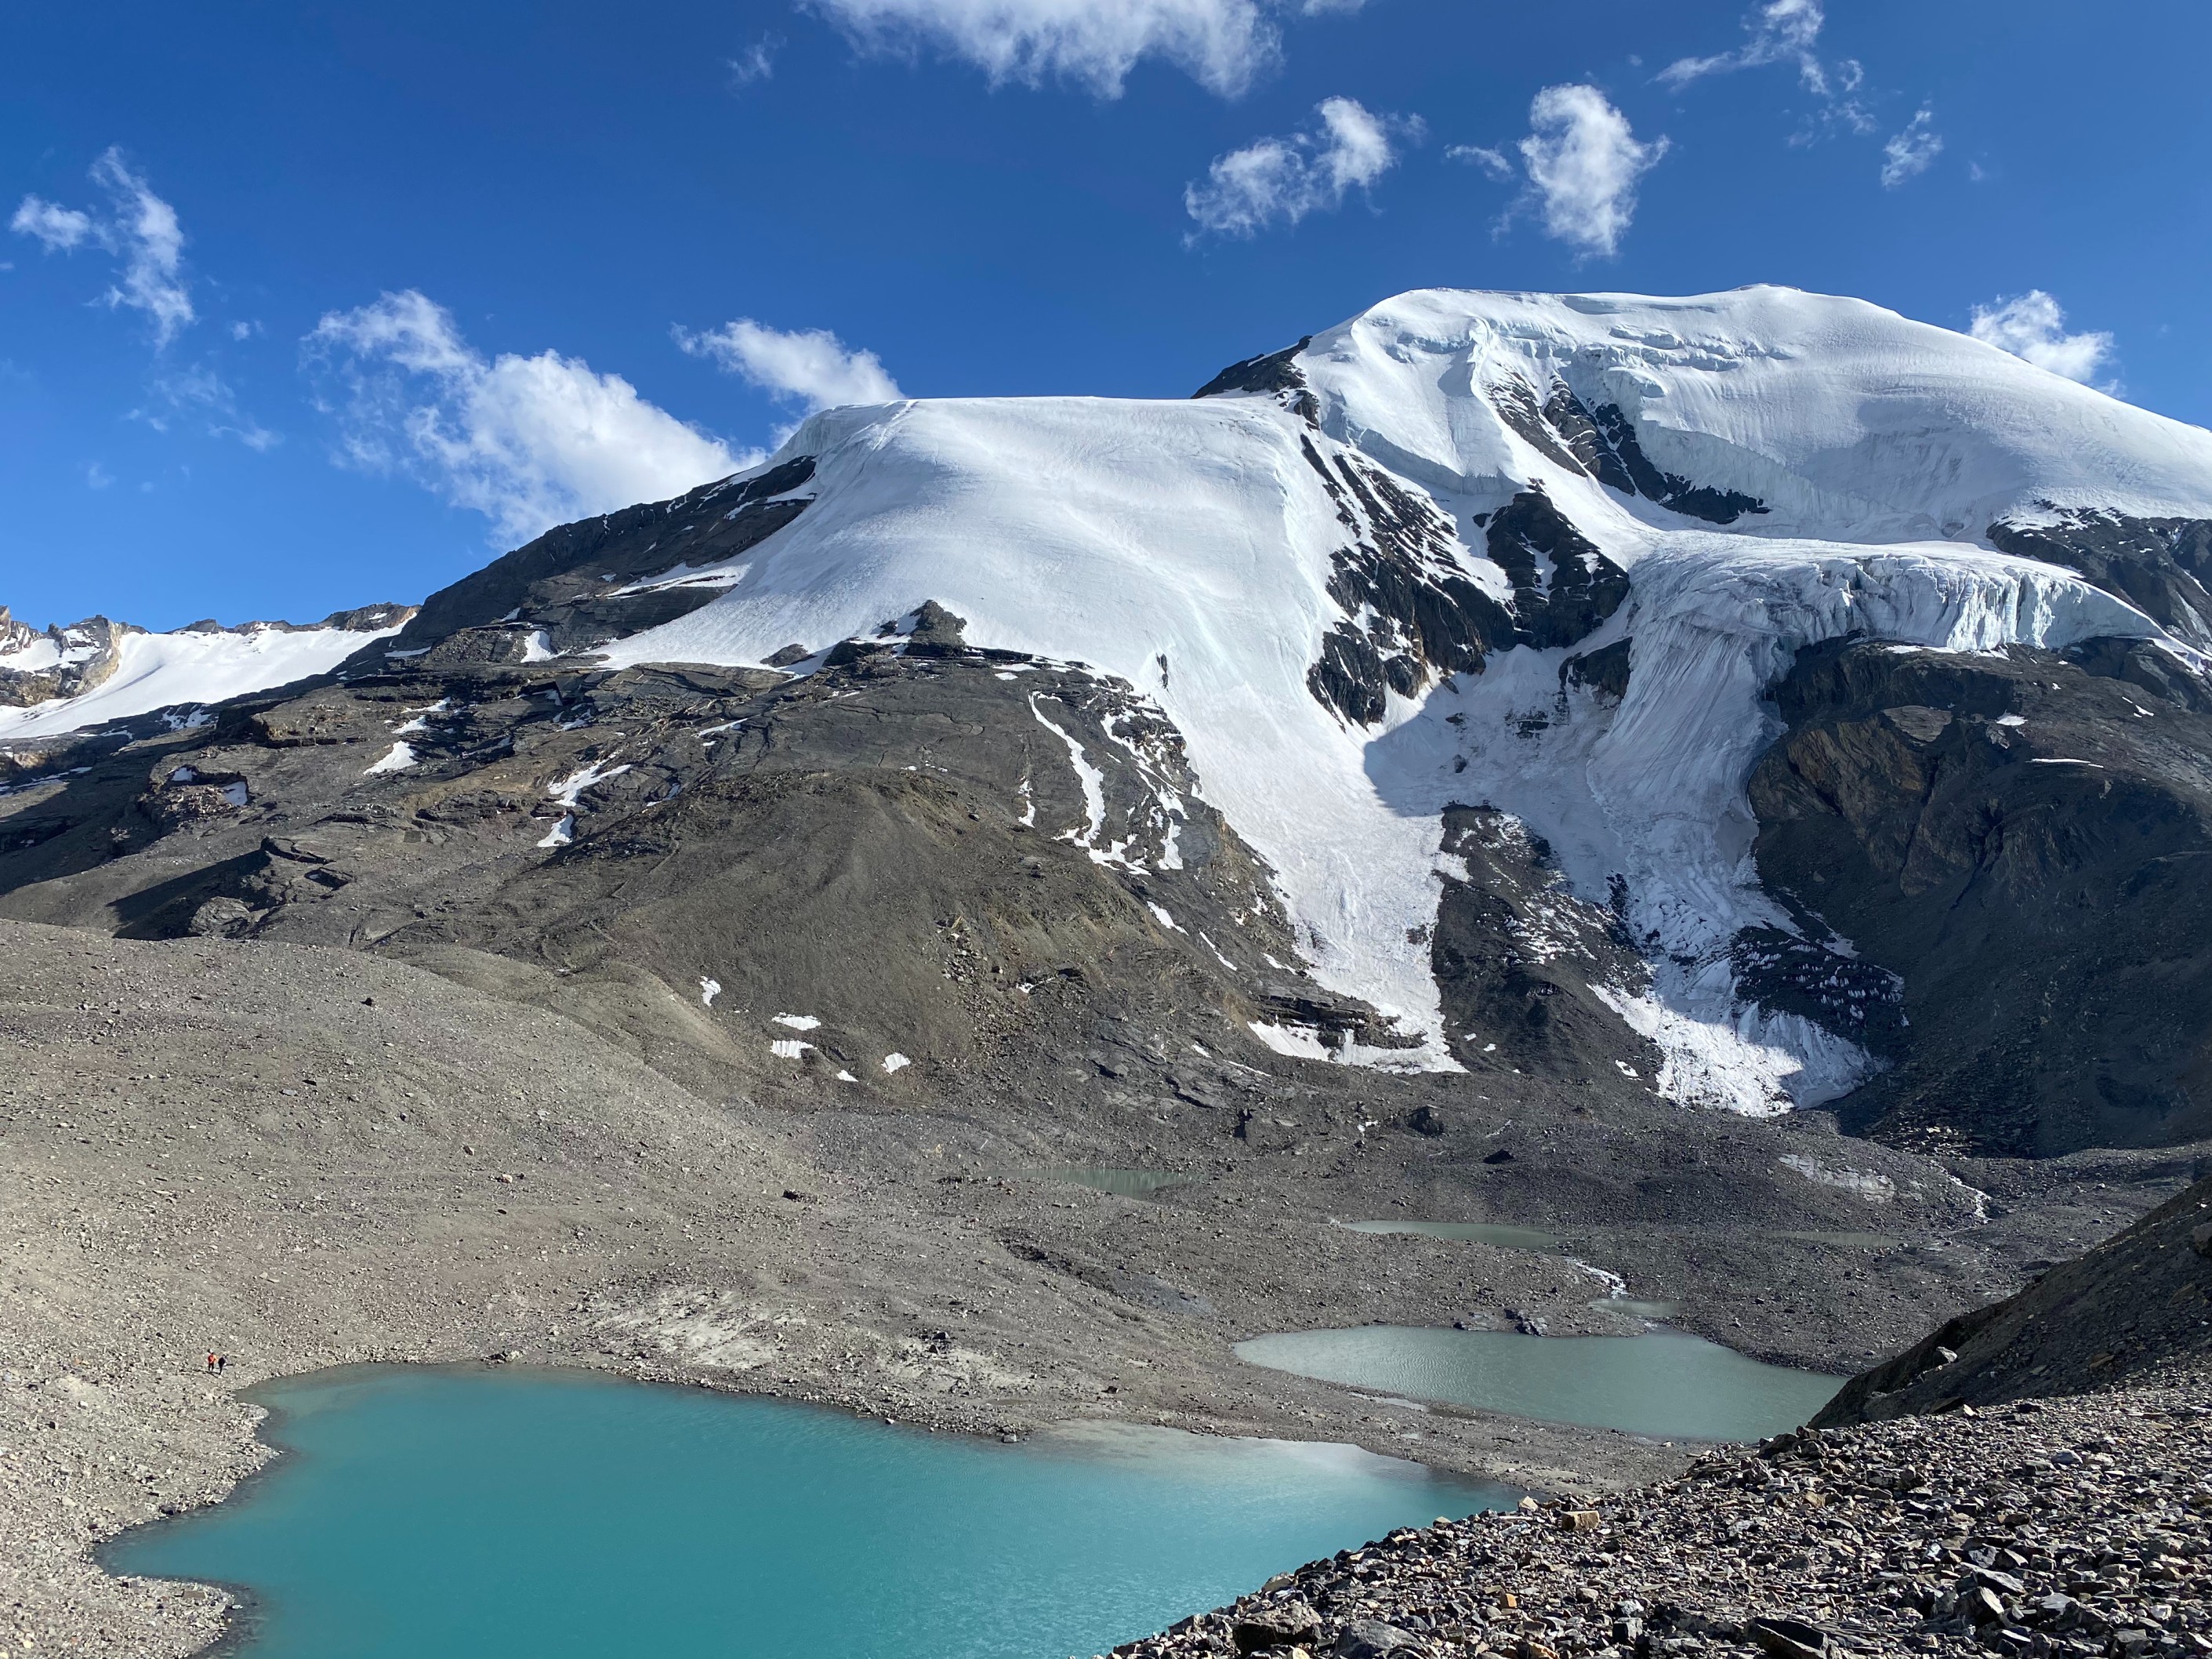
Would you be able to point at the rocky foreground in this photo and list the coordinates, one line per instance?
(2074, 1526)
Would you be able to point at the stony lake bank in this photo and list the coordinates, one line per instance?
(2081, 1526)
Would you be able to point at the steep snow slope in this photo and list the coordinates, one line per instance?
(1767, 468)
(189, 667)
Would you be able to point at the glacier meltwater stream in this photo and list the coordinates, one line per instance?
(472, 1514)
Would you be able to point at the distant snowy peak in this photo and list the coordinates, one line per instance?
(69, 679)
(1837, 416)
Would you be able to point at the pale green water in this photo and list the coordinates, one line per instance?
(1481, 1232)
(1665, 1384)
(460, 1514)
(1122, 1184)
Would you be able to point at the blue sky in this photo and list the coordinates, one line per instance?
(308, 305)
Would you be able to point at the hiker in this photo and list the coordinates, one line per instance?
(212, 1362)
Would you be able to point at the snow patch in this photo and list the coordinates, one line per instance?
(399, 758)
(708, 990)
(896, 1062)
(563, 832)
(799, 1022)
(567, 789)
(788, 1048)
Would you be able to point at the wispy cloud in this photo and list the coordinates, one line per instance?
(1583, 161)
(138, 226)
(1781, 32)
(526, 441)
(1911, 152)
(811, 367)
(1287, 178)
(201, 393)
(1786, 32)
(1492, 161)
(756, 61)
(2033, 326)
(1223, 44)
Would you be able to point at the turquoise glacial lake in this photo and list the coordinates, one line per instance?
(1666, 1384)
(427, 1513)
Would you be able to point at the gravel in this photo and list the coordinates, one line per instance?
(2074, 1526)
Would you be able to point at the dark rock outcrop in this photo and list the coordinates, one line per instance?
(2021, 839)
(2138, 1303)
(1424, 617)
(581, 584)
(1271, 371)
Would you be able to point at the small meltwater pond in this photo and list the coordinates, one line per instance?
(467, 1514)
(1666, 1384)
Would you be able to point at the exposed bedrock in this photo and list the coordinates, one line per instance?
(582, 584)
(1516, 954)
(2045, 909)
(1413, 614)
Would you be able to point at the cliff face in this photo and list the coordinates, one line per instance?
(2017, 837)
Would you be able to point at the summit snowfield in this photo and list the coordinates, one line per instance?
(1769, 469)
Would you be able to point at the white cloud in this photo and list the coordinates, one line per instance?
(60, 228)
(527, 441)
(2032, 326)
(1223, 44)
(1786, 32)
(1911, 152)
(97, 477)
(1287, 178)
(1492, 161)
(1781, 32)
(809, 365)
(140, 229)
(1582, 162)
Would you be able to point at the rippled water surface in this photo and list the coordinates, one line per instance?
(462, 1514)
(1666, 1384)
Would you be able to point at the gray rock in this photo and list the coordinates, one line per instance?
(1275, 1626)
(221, 918)
(1370, 1638)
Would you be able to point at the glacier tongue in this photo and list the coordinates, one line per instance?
(1651, 790)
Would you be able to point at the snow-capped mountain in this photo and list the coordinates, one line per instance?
(91, 672)
(1761, 688)
(1357, 575)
